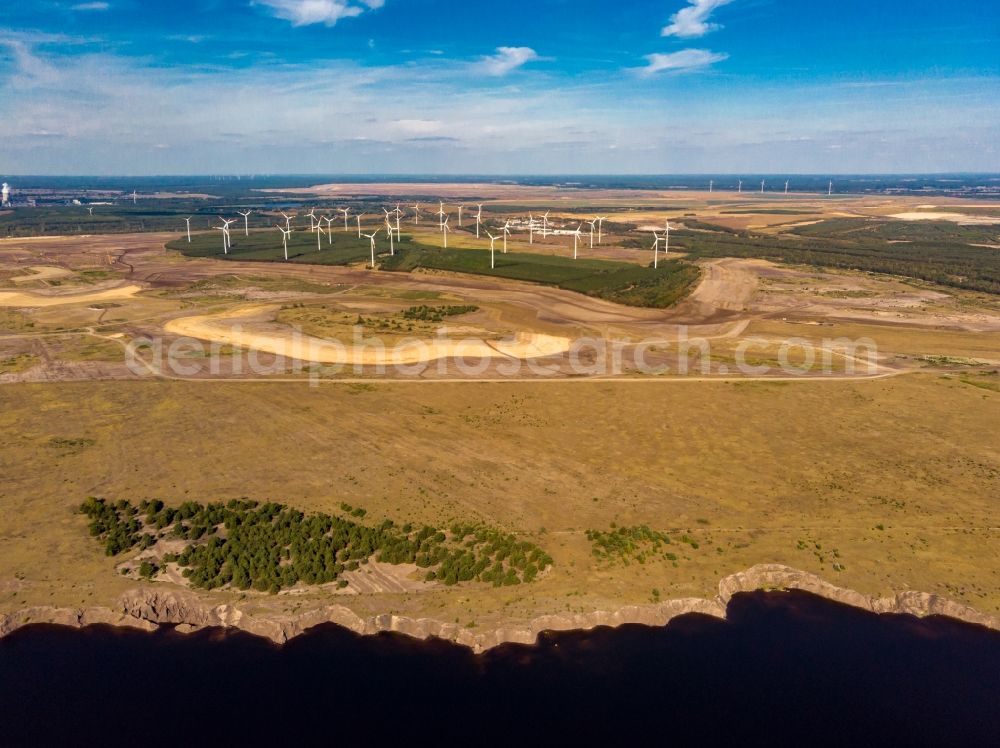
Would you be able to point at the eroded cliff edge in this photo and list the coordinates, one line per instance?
(147, 608)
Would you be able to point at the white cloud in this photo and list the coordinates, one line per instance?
(692, 21)
(685, 60)
(91, 6)
(328, 12)
(506, 60)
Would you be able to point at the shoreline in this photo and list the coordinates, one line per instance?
(146, 609)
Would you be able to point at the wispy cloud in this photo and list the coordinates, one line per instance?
(327, 12)
(91, 6)
(506, 60)
(693, 21)
(683, 61)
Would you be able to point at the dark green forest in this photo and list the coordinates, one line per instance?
(269, 547)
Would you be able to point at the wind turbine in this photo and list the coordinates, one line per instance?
(329, 228)
(600, 228)
(531, 228)
(225, 231)
(830, 190)
(359, 226)
(189, 228)
(593, 228)
(545, 223)
(445, 229)
(246, 221)
(479, 218)
(416, 214)
(134, 198)
(493, 254)
(576, 239)
(288, 222)
(371, 237)
(91, 211)
(346, 212)
(762, 186)
(786, 186)
(656, 249)
(440, 215)
(225, 238)
(389, 230)
(311, 215)
(319, 237)
(506, 233)
(285, 233)
(740, 190)
(460, 207)
(711, 186)
(667, 241)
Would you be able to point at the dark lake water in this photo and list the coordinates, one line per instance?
(787, 668)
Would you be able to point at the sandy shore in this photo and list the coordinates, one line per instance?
(44, 299)
(227, 328)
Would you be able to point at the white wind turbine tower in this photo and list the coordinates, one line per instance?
(359, 226)
(390, 231)
(329, 228)
(711, 186)
(346, 212)
(479, 218)
(830, 189)
(576, 240)
(371, 237)
(91, 211)
(460, 207)
(189, 228)
(666, 240)
(740, 189)
(311, 215)
(600, 228)
(506, 233)
(227, 242)
(762, 186)
(786, 186)
(656, 249)
(493, 254)
(440, 215)
(288, 221)
(134, 198)
(545, 223)
(531, 228)
(225, 238)
(319, 237)
(593, 228)
(416, 214)
(285, 233)
(445, 230)
(246, 221)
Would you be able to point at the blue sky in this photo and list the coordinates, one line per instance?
(540, 86)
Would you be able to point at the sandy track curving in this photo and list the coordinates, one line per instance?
(42, 273)
(228, 328)
(47, 299)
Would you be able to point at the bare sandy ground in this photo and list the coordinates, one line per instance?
(961, 218)
(228, 328)
(33, 299)
(42, 273)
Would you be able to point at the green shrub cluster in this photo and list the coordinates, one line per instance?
(269, 547)
(436, 313)
(627, 544)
